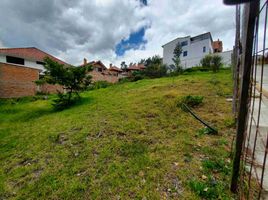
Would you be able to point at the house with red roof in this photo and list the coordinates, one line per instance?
(101, 73)
(20, 68)
(135, 68)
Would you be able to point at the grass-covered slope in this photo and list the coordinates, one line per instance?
(128, 141)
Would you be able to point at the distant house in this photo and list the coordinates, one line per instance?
(217, 46)
(193, 50)
(100, 72)
(116, 71)
(19, 68)
(135, 68)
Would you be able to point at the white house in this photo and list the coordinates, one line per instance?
(193, 50)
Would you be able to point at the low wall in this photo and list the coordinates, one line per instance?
(17, 81)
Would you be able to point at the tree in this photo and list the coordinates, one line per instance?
(73, 79)
(177, 68)
(216, 63)
(154, 67)
(123, 65)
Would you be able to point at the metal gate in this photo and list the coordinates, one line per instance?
(250, 166)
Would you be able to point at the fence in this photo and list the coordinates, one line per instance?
(250, 167)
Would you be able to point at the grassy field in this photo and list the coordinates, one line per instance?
(127, 141)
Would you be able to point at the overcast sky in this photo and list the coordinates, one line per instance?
(110, 30)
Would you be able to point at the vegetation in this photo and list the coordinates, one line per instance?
(154, 67)
(212, 62)
(176, 68)
(100, 84)
(191, 101)
(123, 65)
(72, 79)
(126, 141)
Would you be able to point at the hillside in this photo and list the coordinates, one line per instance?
(127, 141)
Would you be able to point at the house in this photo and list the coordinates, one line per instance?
(135, 68)
(116, 71)
(20, 68)
(193, 50)
(100, 72)
(217, 46)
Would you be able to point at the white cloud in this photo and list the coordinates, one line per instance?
(171, 19)
(73, 30)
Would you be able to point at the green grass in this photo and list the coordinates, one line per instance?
(127, 141)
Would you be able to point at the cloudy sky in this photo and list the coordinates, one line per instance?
(110, 30)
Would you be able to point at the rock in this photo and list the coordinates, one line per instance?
(204, 177)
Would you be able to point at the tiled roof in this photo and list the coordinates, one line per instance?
(96, 64)
(30, 53)
(136, 67)
(114, 68)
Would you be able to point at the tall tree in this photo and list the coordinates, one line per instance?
(177, 68)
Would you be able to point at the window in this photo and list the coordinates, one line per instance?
(15, 60)
(184, 43)
(184, 53)
(40, 63)
(99, 69)
(204, 49)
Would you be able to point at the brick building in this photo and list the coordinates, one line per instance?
(101, 73)
(19, 68)
(217, 46)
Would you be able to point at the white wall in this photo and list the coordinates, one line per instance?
(194, 51)
(226, 57)
(27, 63)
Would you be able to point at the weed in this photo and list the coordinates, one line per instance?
(191, 101)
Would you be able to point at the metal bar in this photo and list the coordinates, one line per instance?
(251, 10)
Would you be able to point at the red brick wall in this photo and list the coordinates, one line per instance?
(17, 81)
(98, 76)
(50, 89)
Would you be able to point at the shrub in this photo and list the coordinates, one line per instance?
(101, 84)
(216, 63)
(191, 101)
(197, 69)
(212, 62)
(206, 61)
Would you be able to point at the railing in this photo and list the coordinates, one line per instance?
(250, 168)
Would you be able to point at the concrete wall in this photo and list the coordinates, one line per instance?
(226, 57)
(194, 51)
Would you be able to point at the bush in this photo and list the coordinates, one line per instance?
(197, 69)
(101, 84)
(206, 61)
(136, 76)
(216, 63)
(191, 101)
(212, 62)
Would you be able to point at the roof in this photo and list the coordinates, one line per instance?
(191, 38)
(136, 67)
(31, 53)
(114, 68)
(208, 34)
(97, 64)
